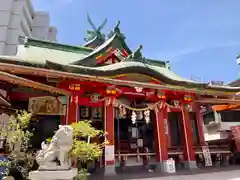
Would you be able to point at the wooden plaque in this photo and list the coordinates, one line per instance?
(46, 105)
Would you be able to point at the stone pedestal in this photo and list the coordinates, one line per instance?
(160, 167)
(53, 175)
(165, 167)
(109, 170)
(8, 178)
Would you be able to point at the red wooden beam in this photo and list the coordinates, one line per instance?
(13, 79)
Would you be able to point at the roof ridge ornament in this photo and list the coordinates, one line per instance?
(136, 54)
(116, 27)
(168, 66)
(95, 32)
(116, 30)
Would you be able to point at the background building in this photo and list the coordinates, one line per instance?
(18, 18)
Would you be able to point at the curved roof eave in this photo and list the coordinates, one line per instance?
(85, 60)
(20, 61)
(160, 73)
(89, 42)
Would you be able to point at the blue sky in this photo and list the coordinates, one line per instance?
(201, 38)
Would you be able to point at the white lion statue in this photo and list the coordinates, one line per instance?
(55, 155)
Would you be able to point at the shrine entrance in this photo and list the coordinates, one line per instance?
(175, 150)
(93, 114)
(175, 135)
(134, 134)
(142, 127)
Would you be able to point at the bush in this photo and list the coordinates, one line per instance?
(83, 149)
(18, 136)
(20, 159)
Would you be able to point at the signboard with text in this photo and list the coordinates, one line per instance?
(207, 156)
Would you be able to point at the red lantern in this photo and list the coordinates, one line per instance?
(187, 98)
(161, 95)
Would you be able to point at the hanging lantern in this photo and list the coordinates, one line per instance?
(187, 98)
(134, 117)
(111, 90)
(161, 95)
(147, 116)
(74, 87)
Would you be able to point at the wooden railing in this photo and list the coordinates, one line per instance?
(128, 158)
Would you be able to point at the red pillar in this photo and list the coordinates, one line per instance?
(199, 119)
(72, 116)
(72, 111)
(188, 151)
(109, 150)
(161, 136)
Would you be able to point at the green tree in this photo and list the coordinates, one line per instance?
(17, 143)
(18, 139)
(85, 150)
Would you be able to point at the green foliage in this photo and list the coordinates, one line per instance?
(17, 141)
(85, 150)
(82, 174)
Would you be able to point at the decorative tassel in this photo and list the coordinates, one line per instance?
(147, 116)
(134, 117)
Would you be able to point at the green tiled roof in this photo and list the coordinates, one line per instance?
(57, 46)
(157, 62)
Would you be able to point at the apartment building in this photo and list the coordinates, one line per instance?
(18, 18)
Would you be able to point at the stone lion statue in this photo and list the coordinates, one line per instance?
(54, 156)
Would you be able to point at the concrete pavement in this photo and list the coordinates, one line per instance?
(224, 173)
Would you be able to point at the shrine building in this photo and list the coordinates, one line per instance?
(150, 114)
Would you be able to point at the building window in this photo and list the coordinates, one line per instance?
(230, 116)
